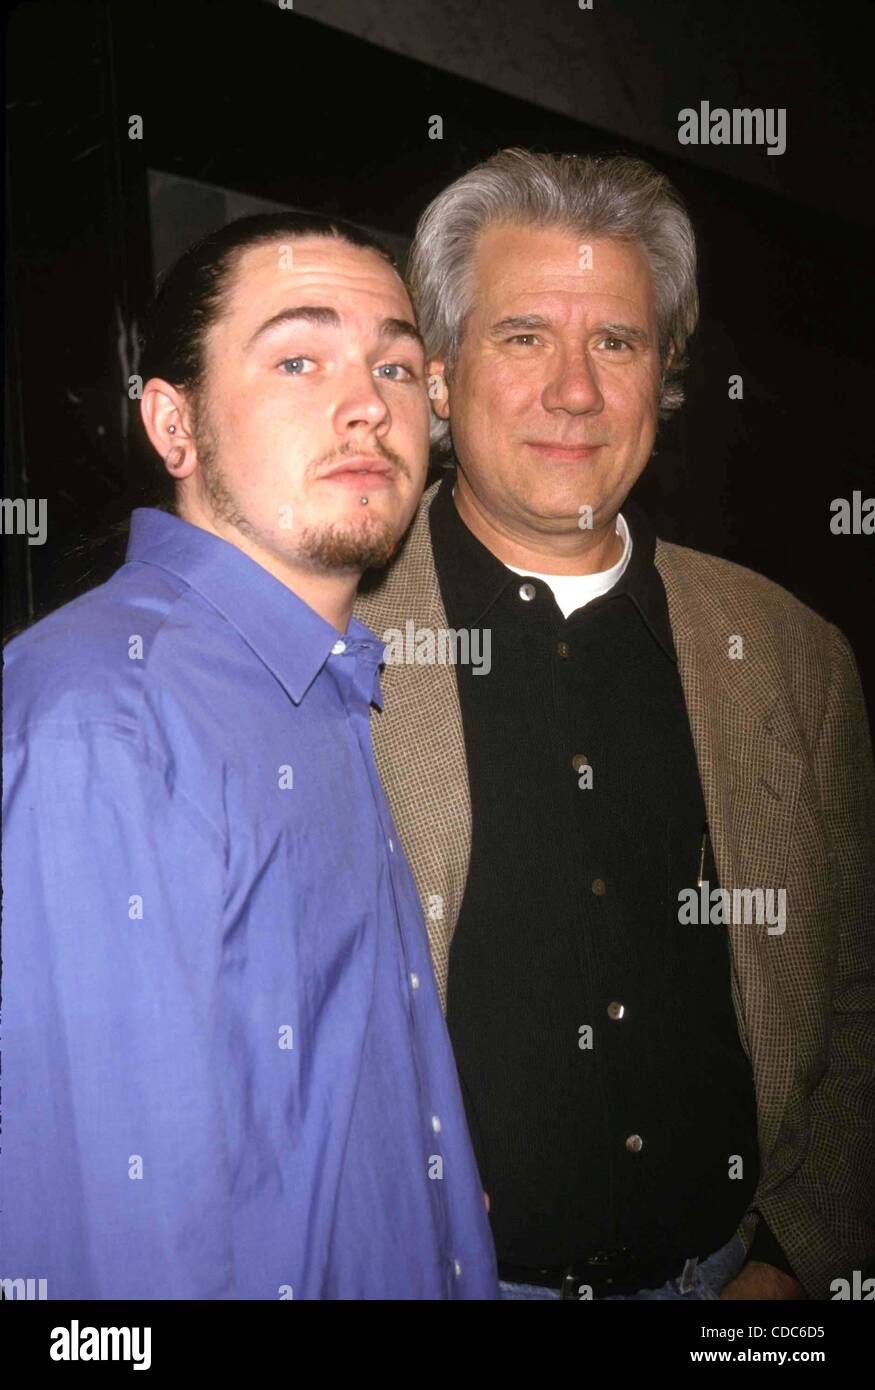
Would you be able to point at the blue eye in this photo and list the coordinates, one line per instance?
(296, 364)
(388, 367)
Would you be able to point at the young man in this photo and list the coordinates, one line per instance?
(226, 1072)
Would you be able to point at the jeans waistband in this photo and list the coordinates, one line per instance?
(605, 1271)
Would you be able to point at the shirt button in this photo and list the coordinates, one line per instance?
(634, 1143)
(435, 1124)
(616, 1010)
(338, 648)
(578, 761)
(457, 1268)
(527, 592)
(414, 980)
(563, 649)
(599, 887)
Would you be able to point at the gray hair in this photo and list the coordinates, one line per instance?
(590, 196)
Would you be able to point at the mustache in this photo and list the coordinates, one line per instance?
(379, 450)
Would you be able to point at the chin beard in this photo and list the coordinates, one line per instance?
(355, 546)
(348, 547)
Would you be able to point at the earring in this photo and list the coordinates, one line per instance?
(176, 457)
(171, 429)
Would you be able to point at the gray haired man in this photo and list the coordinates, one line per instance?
(643, 842)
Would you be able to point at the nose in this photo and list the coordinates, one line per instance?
(361, 405)
(573, 385)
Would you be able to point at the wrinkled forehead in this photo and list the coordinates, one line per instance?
(516, 261)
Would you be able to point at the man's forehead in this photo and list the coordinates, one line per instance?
(526, 258)
(335, 267)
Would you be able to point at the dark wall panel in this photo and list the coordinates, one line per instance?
(281, 109)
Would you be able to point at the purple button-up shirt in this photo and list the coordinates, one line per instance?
(226, 1073)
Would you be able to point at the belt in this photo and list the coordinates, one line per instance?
(606, 1272)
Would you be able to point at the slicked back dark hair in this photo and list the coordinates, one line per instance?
(194, 291)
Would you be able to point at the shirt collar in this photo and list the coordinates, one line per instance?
(593, 585)
(472, 578)
(292, 640)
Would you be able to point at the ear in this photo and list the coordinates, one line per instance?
(165, 415)
(438, 388)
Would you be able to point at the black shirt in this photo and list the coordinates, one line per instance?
(610, 1100)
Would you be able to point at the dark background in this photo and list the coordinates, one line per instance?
(246, 105)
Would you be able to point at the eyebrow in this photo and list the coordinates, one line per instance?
(401, 328)
(525, 323)
(322, 316)
(626, 330)
(518, 323)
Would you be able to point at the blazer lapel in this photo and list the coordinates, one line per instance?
(419, 744)
(751, 766)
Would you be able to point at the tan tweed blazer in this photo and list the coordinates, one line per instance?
(786, 765)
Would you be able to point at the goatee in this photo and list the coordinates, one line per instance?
(344, 546)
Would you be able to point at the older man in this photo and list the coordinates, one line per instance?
(226, 1073)
(642, 837)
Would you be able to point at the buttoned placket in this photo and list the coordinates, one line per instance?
(360, 684)
(594, 888)
(598, 887)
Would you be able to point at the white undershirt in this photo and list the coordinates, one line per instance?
(572, 591)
